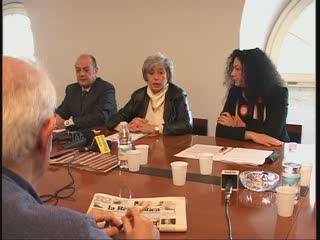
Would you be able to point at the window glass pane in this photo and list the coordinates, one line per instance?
(17, 36)
(297, 53)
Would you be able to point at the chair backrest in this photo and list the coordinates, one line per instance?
(294, 132)
(200, 126)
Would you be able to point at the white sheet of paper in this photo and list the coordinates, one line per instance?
(193, 151)
(234, 155)
(246, 156)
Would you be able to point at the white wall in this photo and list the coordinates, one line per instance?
(197, 34)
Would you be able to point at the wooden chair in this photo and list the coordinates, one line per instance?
(200, 126)
(294, 132)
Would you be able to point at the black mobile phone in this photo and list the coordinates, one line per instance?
(273, 157)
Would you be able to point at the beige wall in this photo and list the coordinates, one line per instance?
(197, 34)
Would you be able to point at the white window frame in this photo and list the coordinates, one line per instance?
(277, 36)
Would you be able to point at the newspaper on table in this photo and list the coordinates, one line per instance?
(168, 214)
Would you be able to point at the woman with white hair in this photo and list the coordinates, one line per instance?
(160, 107)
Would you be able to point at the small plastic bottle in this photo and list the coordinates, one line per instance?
(291, 169)
(291, 176)
(124, 145)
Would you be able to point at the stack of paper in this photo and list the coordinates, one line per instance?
(228, 154)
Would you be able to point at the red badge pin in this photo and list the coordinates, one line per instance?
(244, 110)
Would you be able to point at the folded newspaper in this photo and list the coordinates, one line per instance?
(167, 213)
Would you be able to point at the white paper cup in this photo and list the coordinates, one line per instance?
(144, 149)
(179, 172)
(292, 146)
(205, 162)
(134, 160)
(306, 170)
(285, 200)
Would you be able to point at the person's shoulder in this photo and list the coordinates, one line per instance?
(279, 91)
(176, 90)
(236, 90)
(73, 86)
(140, 93)
(100, 82)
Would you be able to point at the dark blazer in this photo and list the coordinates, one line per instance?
(177, 115)
(94, 110)
(276, 114)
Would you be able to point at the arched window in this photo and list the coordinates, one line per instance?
(292, 43)
(17, 33)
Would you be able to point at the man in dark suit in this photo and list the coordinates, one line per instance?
(88, 103)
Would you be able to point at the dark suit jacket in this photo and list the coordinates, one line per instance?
(177, 115)
(95, 109)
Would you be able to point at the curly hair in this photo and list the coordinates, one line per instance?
(259, 73)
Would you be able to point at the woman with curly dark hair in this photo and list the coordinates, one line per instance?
(257, 102)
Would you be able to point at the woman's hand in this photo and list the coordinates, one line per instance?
(134, 125)
(141, 125)
(100, 216)
(263, 139)
(226, 119)
(146, 128)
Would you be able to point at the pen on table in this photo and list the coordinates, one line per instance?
(120, 227)
(224, 152)
(222, 149)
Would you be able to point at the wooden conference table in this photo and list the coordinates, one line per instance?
(253, 215)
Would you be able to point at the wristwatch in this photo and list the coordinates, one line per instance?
(67, 123)
(157, 129)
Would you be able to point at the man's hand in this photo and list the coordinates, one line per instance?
(263, 139)
(100, 216)
(138, 227)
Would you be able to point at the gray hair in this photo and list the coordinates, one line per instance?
(155, 60)
(29, 99)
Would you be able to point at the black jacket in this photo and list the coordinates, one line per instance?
(274, 125)
(96, 108)
(177, 115)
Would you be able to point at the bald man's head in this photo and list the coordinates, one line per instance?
(86, 70)
(29, 99)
